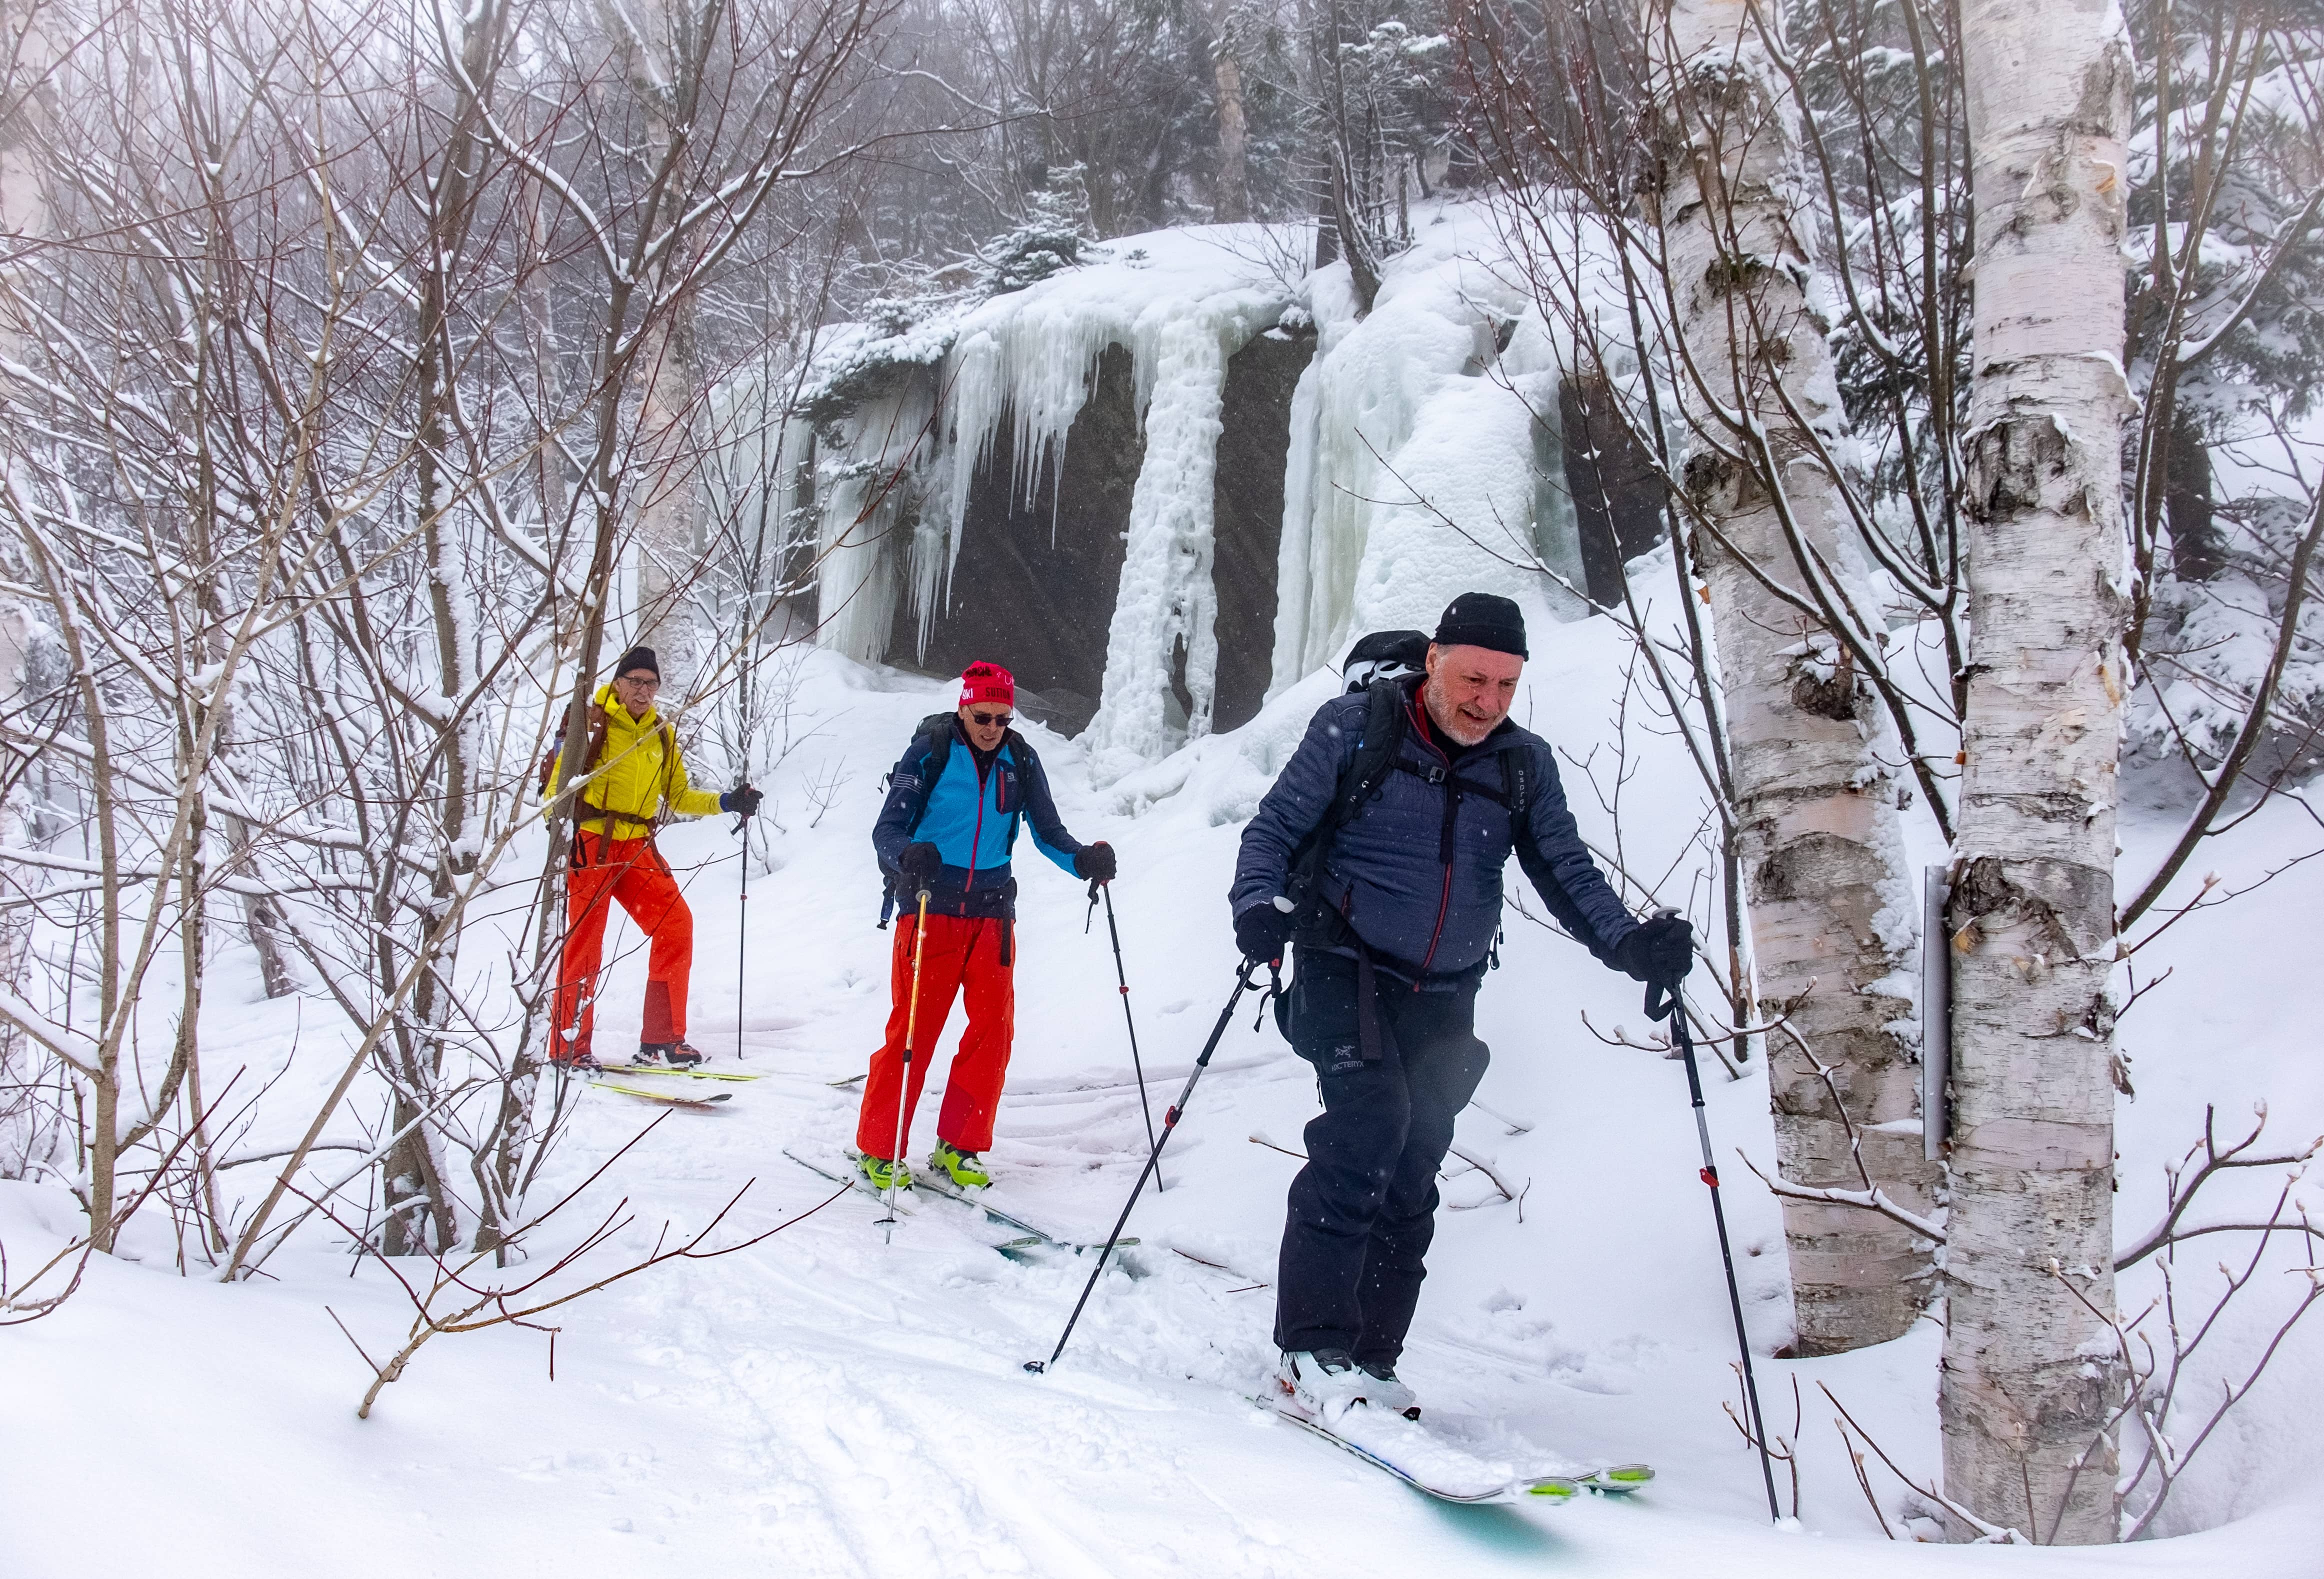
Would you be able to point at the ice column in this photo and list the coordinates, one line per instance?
(869, 498)
(1165, 595)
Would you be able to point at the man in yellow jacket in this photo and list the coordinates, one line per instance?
(640, 783)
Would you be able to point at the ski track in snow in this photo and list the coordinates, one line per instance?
(826, 1404)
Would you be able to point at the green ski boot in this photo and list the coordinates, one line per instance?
(959, 1166)
(884, 1174)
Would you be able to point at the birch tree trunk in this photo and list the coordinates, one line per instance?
(2028, 1369)
(1233, 203)
(23, 214)
(664, 74)
(1832, 919)
(669, 509)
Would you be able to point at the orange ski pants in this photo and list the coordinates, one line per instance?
(631, 873)
(974, 958)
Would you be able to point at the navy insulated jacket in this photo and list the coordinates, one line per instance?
(971, 819)
(1385, 874)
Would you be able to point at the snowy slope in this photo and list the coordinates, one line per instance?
(825, 1404)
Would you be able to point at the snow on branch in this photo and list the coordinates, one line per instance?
(2216, 1159)
(1871, 1200)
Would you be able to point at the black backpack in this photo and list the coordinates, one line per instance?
(1384, 655)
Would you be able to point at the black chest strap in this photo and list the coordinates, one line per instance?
(1511, 797)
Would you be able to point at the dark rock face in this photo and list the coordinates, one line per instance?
(1246, 514)
(1618, 500)
(1033, 588)
(1035, 583)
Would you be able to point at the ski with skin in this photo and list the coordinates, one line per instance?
(854, 1180)
(669, 1098)
(689, 1074)
(938, 1184)
(907, 1202)
(1552, 1491)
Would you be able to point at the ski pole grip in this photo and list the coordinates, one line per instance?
(1662, 997)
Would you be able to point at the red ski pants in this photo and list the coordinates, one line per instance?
(974, 958)
(631, 873)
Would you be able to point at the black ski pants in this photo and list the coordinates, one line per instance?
(1363, 1210)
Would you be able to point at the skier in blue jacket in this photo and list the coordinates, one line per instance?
(1395, 904)
(955, 803)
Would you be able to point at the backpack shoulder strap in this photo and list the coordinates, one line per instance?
(592, 748)
(1375, 753)
(1384, 730)
(1029, 766)
(1517, 782)
(936, 730)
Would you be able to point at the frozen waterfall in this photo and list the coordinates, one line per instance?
(1422, 437)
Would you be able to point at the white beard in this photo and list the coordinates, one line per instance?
(1442, 713)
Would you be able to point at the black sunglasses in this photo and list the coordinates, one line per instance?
(988, 720)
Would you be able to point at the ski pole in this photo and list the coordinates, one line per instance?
(1122, 976)
(1176, 1111)
(904, 1082)
(1663, 1000)
(743, 922)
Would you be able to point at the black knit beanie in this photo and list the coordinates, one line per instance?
(634, 658)
(1479, 619)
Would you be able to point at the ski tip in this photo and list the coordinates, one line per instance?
(1622, 1477)
(667, 1099)
(1553, 1489)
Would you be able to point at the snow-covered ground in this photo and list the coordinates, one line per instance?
(823, 1403)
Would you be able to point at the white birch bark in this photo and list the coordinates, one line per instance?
(24, 213)
(669, 508)
(667, 489)
(1833, 915)
(1233, 188)
(2028, 1369)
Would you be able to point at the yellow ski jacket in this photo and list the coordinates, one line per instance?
(641, 777)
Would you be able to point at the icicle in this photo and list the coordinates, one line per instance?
(869, 491)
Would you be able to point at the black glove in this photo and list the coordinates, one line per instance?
(1661, 950)
(920, 863)
(1096, 863)
(744, 800)
(1260, 931)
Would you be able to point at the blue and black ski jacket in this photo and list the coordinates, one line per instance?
(941, 794)
(1414, 871)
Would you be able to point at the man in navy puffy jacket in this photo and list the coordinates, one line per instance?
(1395, 925)
(955, 803)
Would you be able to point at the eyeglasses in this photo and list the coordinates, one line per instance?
(990, 720)
(645, 683)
